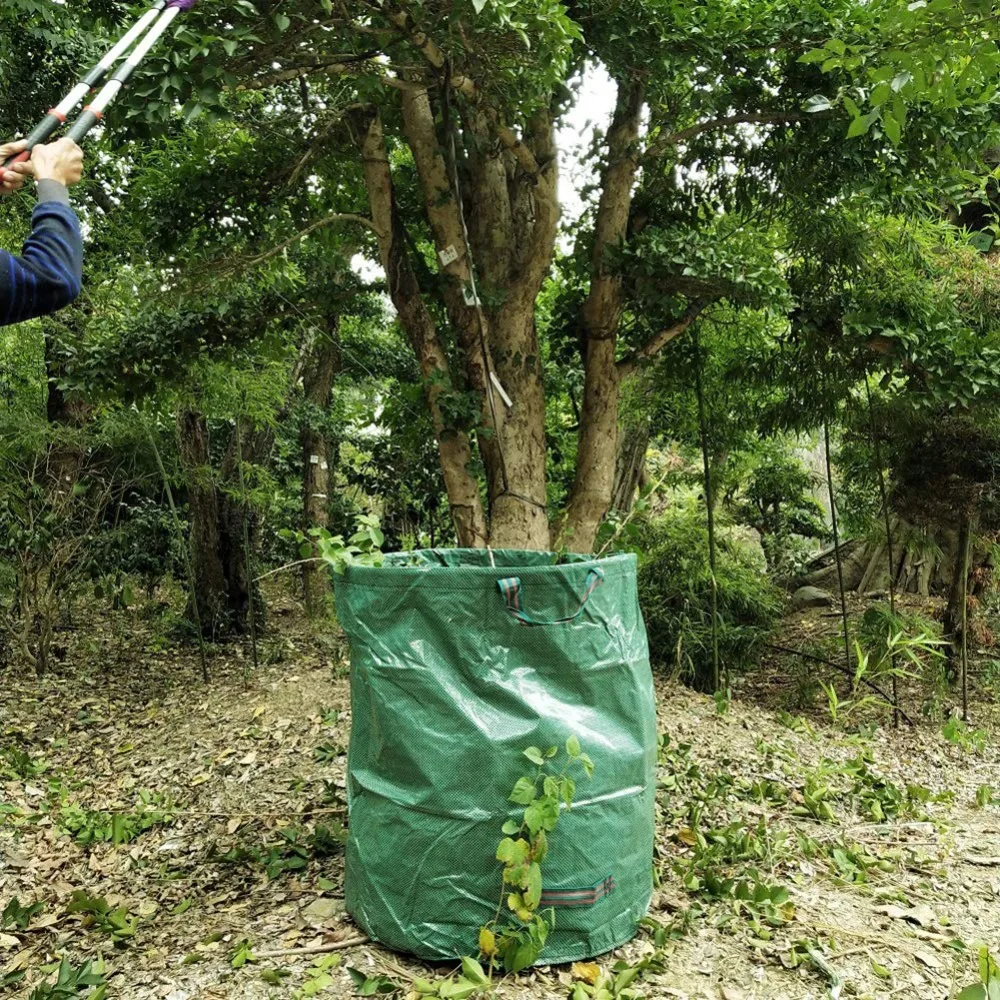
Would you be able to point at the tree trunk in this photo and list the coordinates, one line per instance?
(595, 465)
(317, 477)
(454, 450)
(209, 587)
(519, 509)
(954, 615)
(233, 534)
(515, 229)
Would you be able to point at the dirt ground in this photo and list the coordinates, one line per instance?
(230, 810)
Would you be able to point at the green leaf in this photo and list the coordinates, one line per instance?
(534, 755)
(900, 80)
(892, 129)
(282, 21)
(533, 892)
(573, 746)
(460, 989)
(814, 56)
(473, 971)
(525, 956)
(817, 103)
(533, 818)
(880, 970)
(524, 792)
(880, 94)
(541, 846)
(859, 127)
(977, 992)
(479, 5)
(512, 852)
(511, 827)
(568, 791)
(624, 978)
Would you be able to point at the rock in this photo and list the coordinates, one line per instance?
(811, 597)
(322, 910)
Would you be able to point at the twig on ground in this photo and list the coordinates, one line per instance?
(283, 813)
(886, 939)
(316, 949)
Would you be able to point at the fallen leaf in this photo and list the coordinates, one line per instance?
(922, 915)
(8, 941)
(589, 972)
(928, 959)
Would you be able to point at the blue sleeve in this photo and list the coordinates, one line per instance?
(49, 273)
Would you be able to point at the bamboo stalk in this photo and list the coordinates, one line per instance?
(246, 554)
(710, 507)
(836, 544)
(883, 494)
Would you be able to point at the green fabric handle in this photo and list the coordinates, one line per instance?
(510, 588)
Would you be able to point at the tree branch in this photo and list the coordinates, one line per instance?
(335, 65)
(630, 364)
(326, 221)
(439, 60)
(454, 449)
(660, 144)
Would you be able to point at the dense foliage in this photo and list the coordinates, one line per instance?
(676, 598)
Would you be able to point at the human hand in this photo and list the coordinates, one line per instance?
(13, 179)
(60, 161)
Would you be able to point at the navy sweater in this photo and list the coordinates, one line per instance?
(48, 274)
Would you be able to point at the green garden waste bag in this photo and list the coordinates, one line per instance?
(457, 666)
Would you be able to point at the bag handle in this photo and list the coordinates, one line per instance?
(510, 588)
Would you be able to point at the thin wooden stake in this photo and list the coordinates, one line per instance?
(185, 547)
(246, 553)
(883, 493)
(710, 507)
(966, 558)
(836, 544)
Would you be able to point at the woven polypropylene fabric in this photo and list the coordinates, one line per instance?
(447, 689)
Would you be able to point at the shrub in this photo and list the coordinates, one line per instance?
(675, 593)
